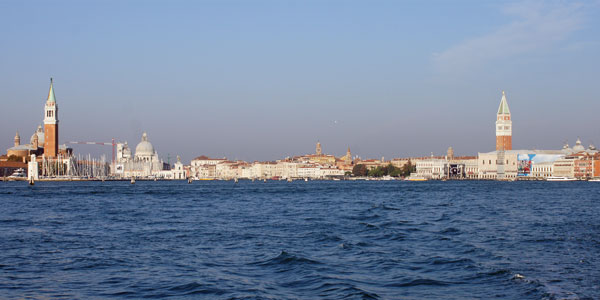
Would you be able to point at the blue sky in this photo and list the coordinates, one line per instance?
(261, 80)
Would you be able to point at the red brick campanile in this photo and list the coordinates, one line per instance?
(51, 125)
(503, 126)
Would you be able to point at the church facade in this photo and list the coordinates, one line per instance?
(144, 163)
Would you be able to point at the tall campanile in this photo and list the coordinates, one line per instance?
(51, 125)
(503, 126)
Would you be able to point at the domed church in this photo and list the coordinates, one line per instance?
(44, 141)
(145, 162)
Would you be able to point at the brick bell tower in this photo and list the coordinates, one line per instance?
(503, 126)
(51, 125)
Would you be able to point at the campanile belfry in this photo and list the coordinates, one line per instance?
(503, 126)
(51, 125)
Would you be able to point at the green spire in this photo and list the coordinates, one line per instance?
(503, 109)
(51, 97)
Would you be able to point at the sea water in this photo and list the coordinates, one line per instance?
(300, 240)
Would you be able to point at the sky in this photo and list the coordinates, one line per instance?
(263, 80)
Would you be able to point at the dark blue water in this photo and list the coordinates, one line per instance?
(300, 240)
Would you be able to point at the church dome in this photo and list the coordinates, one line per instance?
(578, 146)
(566, 149)
(40, 134)
(144, 148)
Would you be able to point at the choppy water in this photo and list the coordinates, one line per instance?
(300, 240)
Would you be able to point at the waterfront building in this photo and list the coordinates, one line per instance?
(330, 172)
(583, 166)
(471, 168)
(204, 167)
(371, 163)
(433, 168)
(265, 170)
(542, 170)
(309, 171)
(461, 167)
(144, 163)
(178, 172)
(517, 163)
(289, 169)
(564, 167)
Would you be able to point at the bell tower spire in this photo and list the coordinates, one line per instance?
(51, 124)
(503, 126)
(17, 139)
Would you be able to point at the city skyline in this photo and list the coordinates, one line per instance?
(361, 88)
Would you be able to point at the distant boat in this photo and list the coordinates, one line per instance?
(595, 180)
(305, 179)
(289, 180)
(415, 178)
(560, 178)
(19, 173)
(132, 180)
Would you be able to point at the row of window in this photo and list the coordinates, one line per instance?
(49, 113)
(490, 162)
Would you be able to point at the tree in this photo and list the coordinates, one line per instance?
(377, 172)
(393, 171)
(359, 170)
(14, 158)
(408, 168)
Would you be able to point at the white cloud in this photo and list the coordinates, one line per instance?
(537, 25)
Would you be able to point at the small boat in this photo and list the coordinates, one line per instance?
(305, 179)
(560, 178)
(594, 180)
(289, 180)
(132, 180)
(19, 173)
(415, 178)
(235, 180)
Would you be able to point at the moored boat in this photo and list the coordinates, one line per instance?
(560, 178)
(415, 178)
(19, 173)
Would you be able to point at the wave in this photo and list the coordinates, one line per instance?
(285, 258)
(420, 282)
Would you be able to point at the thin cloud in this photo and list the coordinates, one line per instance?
(537, 25)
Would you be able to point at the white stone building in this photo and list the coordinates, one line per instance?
(144, 164)
(433, 168)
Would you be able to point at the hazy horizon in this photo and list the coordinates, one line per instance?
(262, 80)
